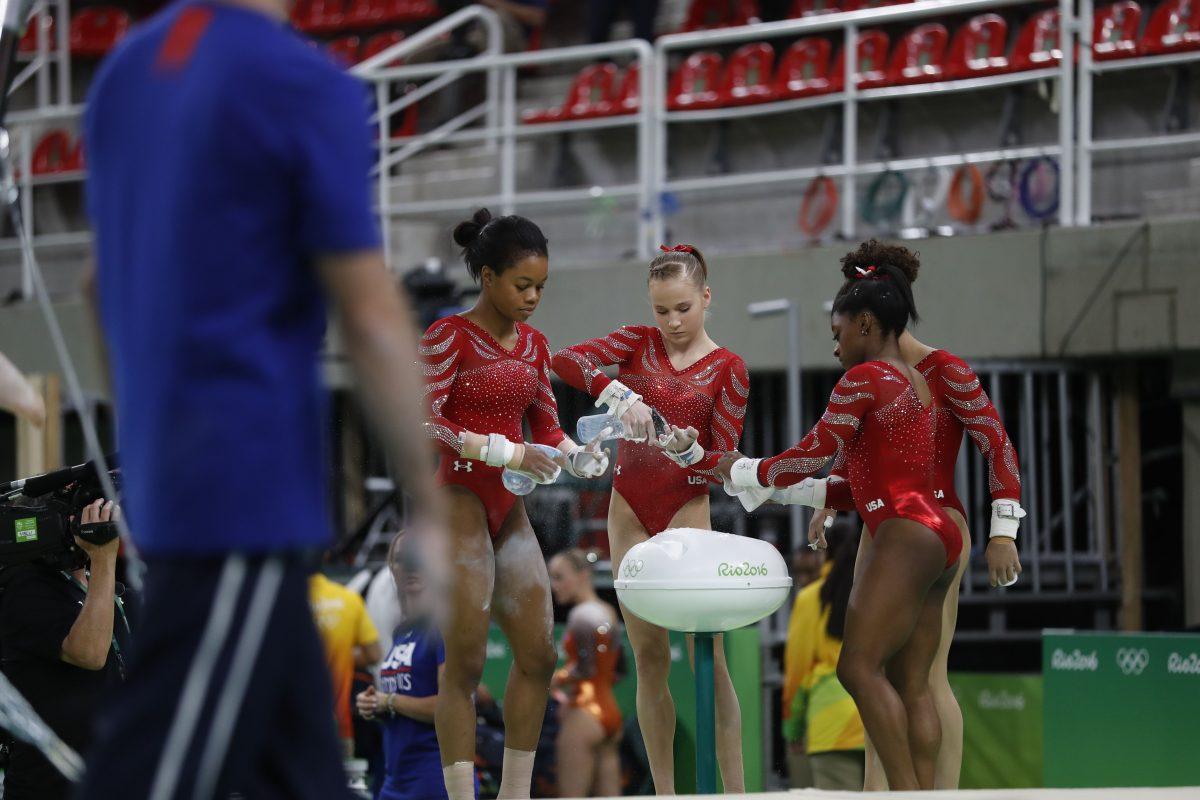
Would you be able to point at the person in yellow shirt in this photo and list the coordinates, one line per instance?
(350, 640)
(817, 710)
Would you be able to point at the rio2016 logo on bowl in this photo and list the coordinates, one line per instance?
(743, 570)
(631, 569)
(1133, 660)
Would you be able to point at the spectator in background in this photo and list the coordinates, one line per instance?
(589, 736)
(407, 695)
(601, 14)
(806, 568)
(350, 640)
(817, 710)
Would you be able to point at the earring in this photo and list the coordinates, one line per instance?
(864, 331)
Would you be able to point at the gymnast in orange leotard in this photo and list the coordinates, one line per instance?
(590, 727)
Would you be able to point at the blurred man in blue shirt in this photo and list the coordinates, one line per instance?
(230, 198)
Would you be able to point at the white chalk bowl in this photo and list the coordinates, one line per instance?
(687, 579)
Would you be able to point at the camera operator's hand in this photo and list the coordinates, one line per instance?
(100, 511)
(88, 642)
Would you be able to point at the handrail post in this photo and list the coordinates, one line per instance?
(385, 141)
(62, 35)
(42, 10)
(648, 208)
(1083, 205)
(495, 47)
(508, 142)
(659, 100)
(1066, 113)
(850, 128)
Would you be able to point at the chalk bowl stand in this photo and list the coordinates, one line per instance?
(703, 582)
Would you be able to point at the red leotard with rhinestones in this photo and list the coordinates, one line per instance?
(709, 396)
(959, 405)
(877, 421)
(474, 384)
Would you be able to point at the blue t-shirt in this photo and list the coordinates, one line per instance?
(225, 154)
(410, 748)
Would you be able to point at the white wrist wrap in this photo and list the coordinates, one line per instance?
(618, 397)
(498, 451)
(750, 499)
(809, 492)
(744, 474)
(1006, 518)
(687, 457)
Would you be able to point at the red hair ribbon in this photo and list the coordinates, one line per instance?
(679, 248)
(868, 274)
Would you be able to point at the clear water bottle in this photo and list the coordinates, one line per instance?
(522, 483)
(588, 428)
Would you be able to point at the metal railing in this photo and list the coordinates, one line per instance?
(494, 123)
(850, 167)
(56, 54)
(501, 126)
(1089, 68)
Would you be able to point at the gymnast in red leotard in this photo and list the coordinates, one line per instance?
(880, 420)
(486, 371)
(698, 387)
(961, 407)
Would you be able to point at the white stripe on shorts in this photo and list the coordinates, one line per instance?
(191, 701)
(240, 670)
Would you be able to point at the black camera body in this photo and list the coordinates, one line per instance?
(43, 526)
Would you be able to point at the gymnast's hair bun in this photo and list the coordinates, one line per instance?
(467, 231)
(874, 254)
(497, 243)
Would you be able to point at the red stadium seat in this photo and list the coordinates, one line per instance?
(859, 5)
(696, 84)
(919, 56)
(29, 42)
(365, 13)
(709, 14)
(978, 48)
(1115, 30)
(808, 8)
(1174, 26)
(749, 76)
(411, 10)
(319, 16)
(872, 60)
(591, 90)
(344, 50)
(804, 69)
(75, 158)
(53, 154)
(1037, 44)
(380, 42)
(95, 31)
(627, 99)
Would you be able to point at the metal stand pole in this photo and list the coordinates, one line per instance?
(706, 721)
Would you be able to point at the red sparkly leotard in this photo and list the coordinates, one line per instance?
(593, 649)
(876, 422)
(959, 405)
(709, 396)
(474, 384)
